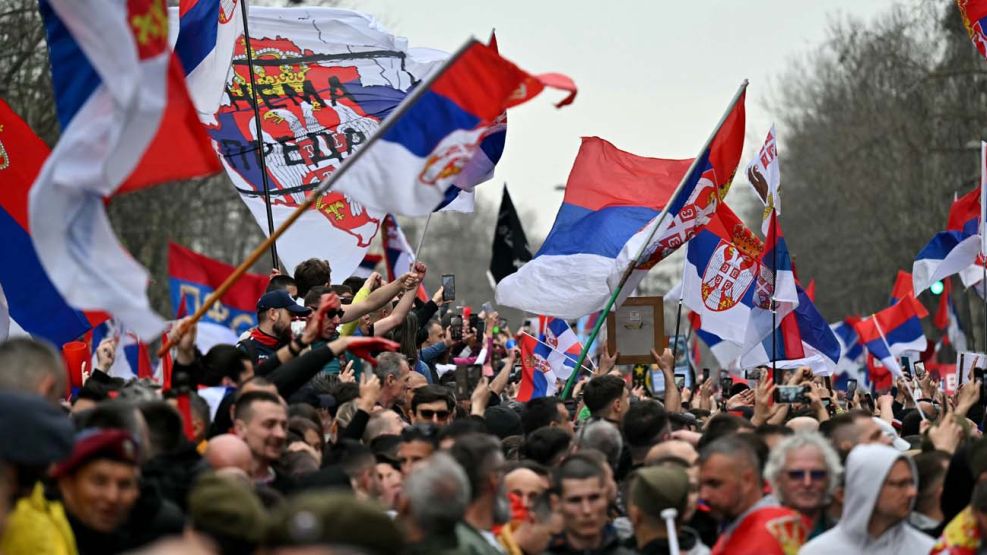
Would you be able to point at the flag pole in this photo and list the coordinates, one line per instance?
(880, 332)
(983, 228)
(421, 240)
(678, 313)
(654, 229)
(326, 184)
(773, 228)
(261, 157)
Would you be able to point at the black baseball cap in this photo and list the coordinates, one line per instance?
(281, 299)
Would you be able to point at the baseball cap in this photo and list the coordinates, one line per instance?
(888, 430)
(32, 430)
(281, 299)
(656, 488)
(94, 444)
(336, 519)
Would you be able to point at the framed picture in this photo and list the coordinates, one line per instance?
(635, 328)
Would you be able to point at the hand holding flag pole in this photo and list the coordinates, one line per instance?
(877, 325)
(324, 186)
(654, 229)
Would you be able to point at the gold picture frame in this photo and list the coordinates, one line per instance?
(635, 328)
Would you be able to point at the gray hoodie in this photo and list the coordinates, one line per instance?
(866, 469)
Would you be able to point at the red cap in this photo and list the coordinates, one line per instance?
(91, 445)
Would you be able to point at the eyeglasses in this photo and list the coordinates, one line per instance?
(429, 414)
(334, 313)
(816, 475)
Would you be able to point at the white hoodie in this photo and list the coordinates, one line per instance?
(866, 469)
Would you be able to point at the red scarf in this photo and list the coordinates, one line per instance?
(264, 339)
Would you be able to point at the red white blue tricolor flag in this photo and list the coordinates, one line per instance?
(537, 377)
(207, 33)
(423, 152)
(974, 14)
(955, 250)
(127, 123)
(893, 332)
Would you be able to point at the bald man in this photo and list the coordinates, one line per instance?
(672, 448)
(228, 451)
(803, 424)
(526, 484)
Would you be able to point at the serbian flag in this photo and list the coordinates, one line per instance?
(132, 358)
(34, 305)
(974, 14)
(725, 352)
(894, 331)
(565, 347)
(954, 251)
(418, 156)
(398, 253)
(127, 123)
(851, 351)
(902, 287)
(611, 195)
(192, 277)
(207, 33)
(803, 338)
(368, 265)
(537, 378)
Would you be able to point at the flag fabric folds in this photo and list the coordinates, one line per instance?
(565, 347)
(537, 378)
(954, 251)
(851, 351)
(948, 321)
(33, 303)
(326, 79)
(126, 118)
(207, 33)
(398, 253)
(894, 331)
(902, 287)
(764, 174)
(192, 277)
(974, 14)
(423, 153)
(368, 265)
(610, 196)
(510, 246)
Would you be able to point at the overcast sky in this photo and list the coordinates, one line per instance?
(653, 77)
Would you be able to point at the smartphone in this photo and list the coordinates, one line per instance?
(790, 394)
(448, 287)
(466, 379)
(906, 367)
(978, 374)
(752, 374)
(456, 327)
(851, 390)
(679, 381)
(726, 384)
(705, 374)
(919, 370)
(476, 324)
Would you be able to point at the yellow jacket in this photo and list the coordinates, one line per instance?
(38, 526)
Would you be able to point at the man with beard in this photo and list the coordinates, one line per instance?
(261, 421)
(803, 471)
(730, 483)
(481, 458)
(275, 312)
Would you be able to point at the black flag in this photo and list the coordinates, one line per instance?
(510, 246)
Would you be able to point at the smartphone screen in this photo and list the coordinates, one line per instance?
(705, 374)
(448, 287)
(679, 381)
(851, 390)
(906, 367)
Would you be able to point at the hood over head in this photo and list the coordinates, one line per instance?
(866, 469)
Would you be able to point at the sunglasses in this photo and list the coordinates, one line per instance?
(816, 475)
(428, 414)
(334, 314)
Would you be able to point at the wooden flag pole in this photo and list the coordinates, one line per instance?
(325, 186)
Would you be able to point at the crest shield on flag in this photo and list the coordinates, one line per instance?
(326, 78)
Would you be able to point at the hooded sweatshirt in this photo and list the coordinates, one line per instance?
(866, 469)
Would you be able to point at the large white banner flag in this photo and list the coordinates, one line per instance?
(326, 78)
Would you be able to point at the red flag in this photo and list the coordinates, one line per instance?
(810, 290)
(902, 287)
(974, 14)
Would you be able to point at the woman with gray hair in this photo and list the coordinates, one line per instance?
(804, 472)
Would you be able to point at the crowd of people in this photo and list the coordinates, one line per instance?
(346, 422)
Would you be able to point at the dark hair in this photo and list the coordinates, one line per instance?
(544, 445)
(579, 466)
(313, 298)
(600, 391)
(280, 281)
(425, 432)
(223, 361)
(540, 412)
(461, 427)
(164, 426)
(432, 393)
(305, 410)
(344, 392)
(737, 448)
(477, 454)
(644, 424)
(773, 429)
(979, 498)
(828, 427)
(243, 404)
(310, 273)
(342, 289)
(721, 425)
(931, 468)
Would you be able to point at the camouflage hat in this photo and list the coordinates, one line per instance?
(335, 519)
(226, 506)
(656, 488)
